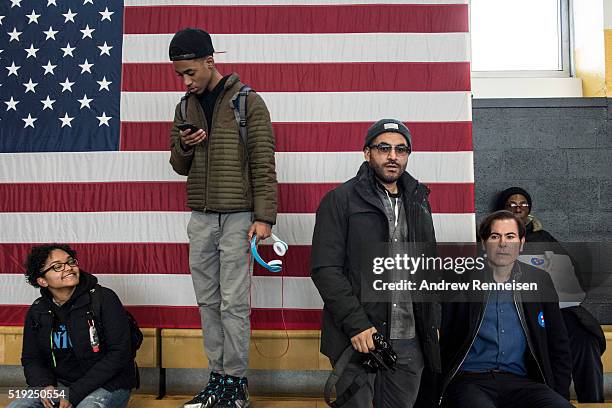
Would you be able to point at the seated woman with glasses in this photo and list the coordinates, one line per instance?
(72, 357)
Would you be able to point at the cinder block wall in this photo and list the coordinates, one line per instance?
(560, 150)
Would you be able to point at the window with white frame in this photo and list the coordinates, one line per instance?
(524, 38)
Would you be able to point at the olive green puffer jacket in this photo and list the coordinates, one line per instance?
(218, 177)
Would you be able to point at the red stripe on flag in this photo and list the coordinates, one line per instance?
(448, 198)
(92, 197)
(188, 317)
(294, 198)
(110, 258)
(323, 77)
(315, 137)
(358, 18)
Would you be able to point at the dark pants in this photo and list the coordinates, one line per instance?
(500, 390)
(387, 389)
(587, 368)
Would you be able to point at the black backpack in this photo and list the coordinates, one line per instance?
(136, 335)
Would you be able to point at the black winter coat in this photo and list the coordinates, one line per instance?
(111, 368)
(349, 218)
(547, 357)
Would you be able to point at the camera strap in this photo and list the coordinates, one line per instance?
(334, 377)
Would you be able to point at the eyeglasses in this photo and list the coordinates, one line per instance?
(60, 266)
(385, 148)
(515, 205)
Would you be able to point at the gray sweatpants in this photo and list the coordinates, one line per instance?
(221, 271)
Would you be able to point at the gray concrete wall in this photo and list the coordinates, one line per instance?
(560, 151)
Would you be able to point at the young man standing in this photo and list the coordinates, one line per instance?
(383, 203)
(231, 189)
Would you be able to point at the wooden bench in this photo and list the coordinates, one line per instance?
(270, 350)
(607, 356)
(183, 348)
(11, 339)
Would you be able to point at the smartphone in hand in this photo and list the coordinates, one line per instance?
(188, 126)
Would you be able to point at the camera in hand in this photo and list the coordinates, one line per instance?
(382, 357)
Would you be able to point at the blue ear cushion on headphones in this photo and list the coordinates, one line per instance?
(272, 266)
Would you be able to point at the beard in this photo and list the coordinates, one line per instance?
(380, 168)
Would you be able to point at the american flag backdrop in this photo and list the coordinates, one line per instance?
(87, 95)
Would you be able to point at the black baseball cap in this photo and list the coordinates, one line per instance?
(388, 125)
(190, 43)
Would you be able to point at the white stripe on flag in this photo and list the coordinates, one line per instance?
(177, 290)
(171, 227)
(321, 106)
(291, 167)
(312, 48)
(333, 167)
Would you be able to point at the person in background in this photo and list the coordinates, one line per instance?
(82, 360)
(503, 348)
(587, 340)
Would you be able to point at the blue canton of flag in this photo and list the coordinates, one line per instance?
(60, 75)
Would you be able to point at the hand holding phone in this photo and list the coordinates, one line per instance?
(190, 135)
(188, 126)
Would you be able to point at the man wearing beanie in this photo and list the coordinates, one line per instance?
(231, 190)
(381, 204)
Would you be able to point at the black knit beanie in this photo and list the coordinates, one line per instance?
(502, 198)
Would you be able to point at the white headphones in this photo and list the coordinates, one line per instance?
(280, 248)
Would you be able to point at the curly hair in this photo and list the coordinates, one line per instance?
(38, 256)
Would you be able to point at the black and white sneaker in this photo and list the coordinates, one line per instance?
(235, 393)
(209, 396)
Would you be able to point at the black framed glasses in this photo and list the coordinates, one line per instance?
(385, 148)
(61, 266)
(517, 205)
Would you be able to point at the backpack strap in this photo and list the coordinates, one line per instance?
(36, 317)
(94, 296)
(183, 106)
(239, 106)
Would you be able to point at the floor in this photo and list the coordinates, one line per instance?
(176, 401)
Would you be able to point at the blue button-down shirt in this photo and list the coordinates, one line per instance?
(500, 343)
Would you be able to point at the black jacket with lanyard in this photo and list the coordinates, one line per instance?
(547, 357)
(111, 367)
(349, 218)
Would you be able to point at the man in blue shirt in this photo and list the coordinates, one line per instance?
(505, 347)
